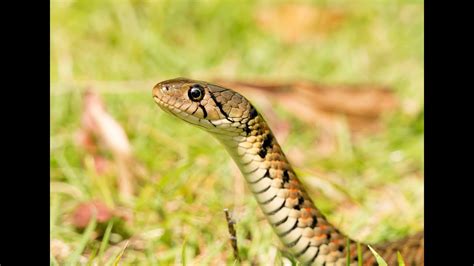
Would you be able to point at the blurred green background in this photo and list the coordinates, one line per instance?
(122, 48)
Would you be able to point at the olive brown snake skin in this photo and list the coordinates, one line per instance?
(303, 229)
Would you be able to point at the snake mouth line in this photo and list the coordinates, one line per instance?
(167, 108)
(164, 106)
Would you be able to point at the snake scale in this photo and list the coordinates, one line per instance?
(304, 230)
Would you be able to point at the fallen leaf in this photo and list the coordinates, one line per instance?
(83, 213)
(101, 132)
(298, 22)
(360, 106)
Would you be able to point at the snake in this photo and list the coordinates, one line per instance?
(293, 215)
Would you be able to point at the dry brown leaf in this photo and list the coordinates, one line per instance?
(101, 164)
(83, 213)
(360, 106)
(357, 100)
(101, 130)
(95, 119)
(134, 243)
(297, 22)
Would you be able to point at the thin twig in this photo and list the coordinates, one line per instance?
(233, 236)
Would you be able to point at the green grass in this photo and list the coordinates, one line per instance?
(380, 260)
(122, 48)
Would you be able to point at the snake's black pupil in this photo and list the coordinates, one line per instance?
(196, 93)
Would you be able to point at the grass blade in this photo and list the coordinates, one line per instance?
(348, 256)
(183, 253)
(117, 259)
(54, 211)
(359, 255)
(82, 244)
(400, 259)
(379, 259)
(105, 240)
(92, 257)
(53, 260)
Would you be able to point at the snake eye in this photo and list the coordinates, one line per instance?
(196, 92)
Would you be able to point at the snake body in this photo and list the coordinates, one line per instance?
(304, 230)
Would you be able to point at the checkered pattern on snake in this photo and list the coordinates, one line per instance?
(304, 230)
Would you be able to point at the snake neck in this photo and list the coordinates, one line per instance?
(298, 223)
(294, 217)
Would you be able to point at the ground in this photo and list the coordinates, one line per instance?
(371, 185)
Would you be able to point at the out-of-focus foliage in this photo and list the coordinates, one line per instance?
(372, 187)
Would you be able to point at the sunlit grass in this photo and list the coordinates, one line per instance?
(180, 211)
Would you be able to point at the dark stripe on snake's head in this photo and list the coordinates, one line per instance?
(203, 110)
(219, 105)
(190, 99)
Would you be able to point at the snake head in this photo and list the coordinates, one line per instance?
(207, 105)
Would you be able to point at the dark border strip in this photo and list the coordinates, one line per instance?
(282, 221)
(304, 250)
(289, 230)
(277, 209)
(269, 200)
(219, 105)
(263, 190)
(267, 174)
